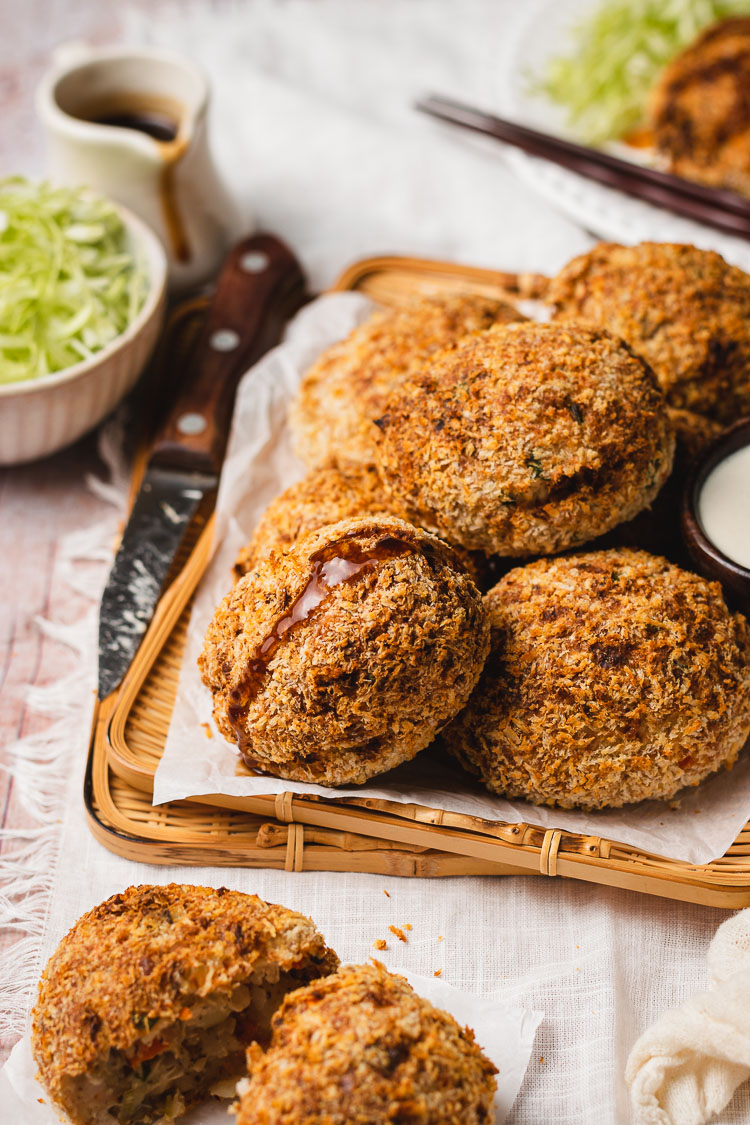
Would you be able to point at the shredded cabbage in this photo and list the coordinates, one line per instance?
(69, 281)
(617, 53)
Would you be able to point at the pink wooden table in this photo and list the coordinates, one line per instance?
(39, 503)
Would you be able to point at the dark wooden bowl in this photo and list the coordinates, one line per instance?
(734, 578)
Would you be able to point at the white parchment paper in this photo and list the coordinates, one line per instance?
(697, 827)
(506, 1035)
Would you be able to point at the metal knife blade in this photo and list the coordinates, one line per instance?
(260, 286)
(163, 510)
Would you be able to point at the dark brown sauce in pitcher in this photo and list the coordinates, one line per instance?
(161, 119)
(158, 116)
(151, 122)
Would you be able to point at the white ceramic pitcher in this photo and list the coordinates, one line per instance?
(131, 123)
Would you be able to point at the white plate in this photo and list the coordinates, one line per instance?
(541, 32)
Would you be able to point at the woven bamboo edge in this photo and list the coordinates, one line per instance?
(510, 848)
(391, 279)
(123, 819)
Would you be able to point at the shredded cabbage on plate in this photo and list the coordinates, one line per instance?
(616, 54)
(69, 281)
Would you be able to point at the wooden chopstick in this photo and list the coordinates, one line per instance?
(723, 210)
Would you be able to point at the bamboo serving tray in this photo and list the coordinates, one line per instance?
(301, 832)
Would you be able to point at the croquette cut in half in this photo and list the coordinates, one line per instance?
(324, 496)
(331, 417)
(684, 310)
(151, 1000)
(527, 439)
(614, 677)
(344, 656)
(362, 1048)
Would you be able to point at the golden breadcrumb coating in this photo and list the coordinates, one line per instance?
(686, 311)
(138, 968)
(699, 111)
(362, 1048)
(325, 496)
(343, 657)
(614, 676)
(331, 417)
(527, 439)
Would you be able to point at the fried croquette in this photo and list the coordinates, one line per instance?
(152, 998)
(614, 676)
(527, 439)
(684, 310)
(332, 415)
(344, 656)
(362, 1048)
(699, 111)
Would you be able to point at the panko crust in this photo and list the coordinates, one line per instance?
(699, 111)
(527, 439)
(331, 417)
(329, 495)
(145, 954)
(685, 310)
(614, 677)
(367, 678)
(362, 1048)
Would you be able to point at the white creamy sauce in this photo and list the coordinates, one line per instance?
(724, 506)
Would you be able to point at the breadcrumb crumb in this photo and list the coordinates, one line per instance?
(380, 943)
(398, 933)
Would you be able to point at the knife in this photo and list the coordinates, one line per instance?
(260, 286)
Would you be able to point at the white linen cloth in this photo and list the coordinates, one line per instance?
(312, 127)
(685, 1068)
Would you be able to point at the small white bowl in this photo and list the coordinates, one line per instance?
(40, 416)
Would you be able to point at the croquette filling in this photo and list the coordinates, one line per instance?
(176, 1063)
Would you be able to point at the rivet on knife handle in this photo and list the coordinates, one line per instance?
(259, 286)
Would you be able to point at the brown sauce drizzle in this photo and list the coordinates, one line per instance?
(173, 151)
(335, 564)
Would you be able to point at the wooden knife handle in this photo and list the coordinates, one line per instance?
(260, 286)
